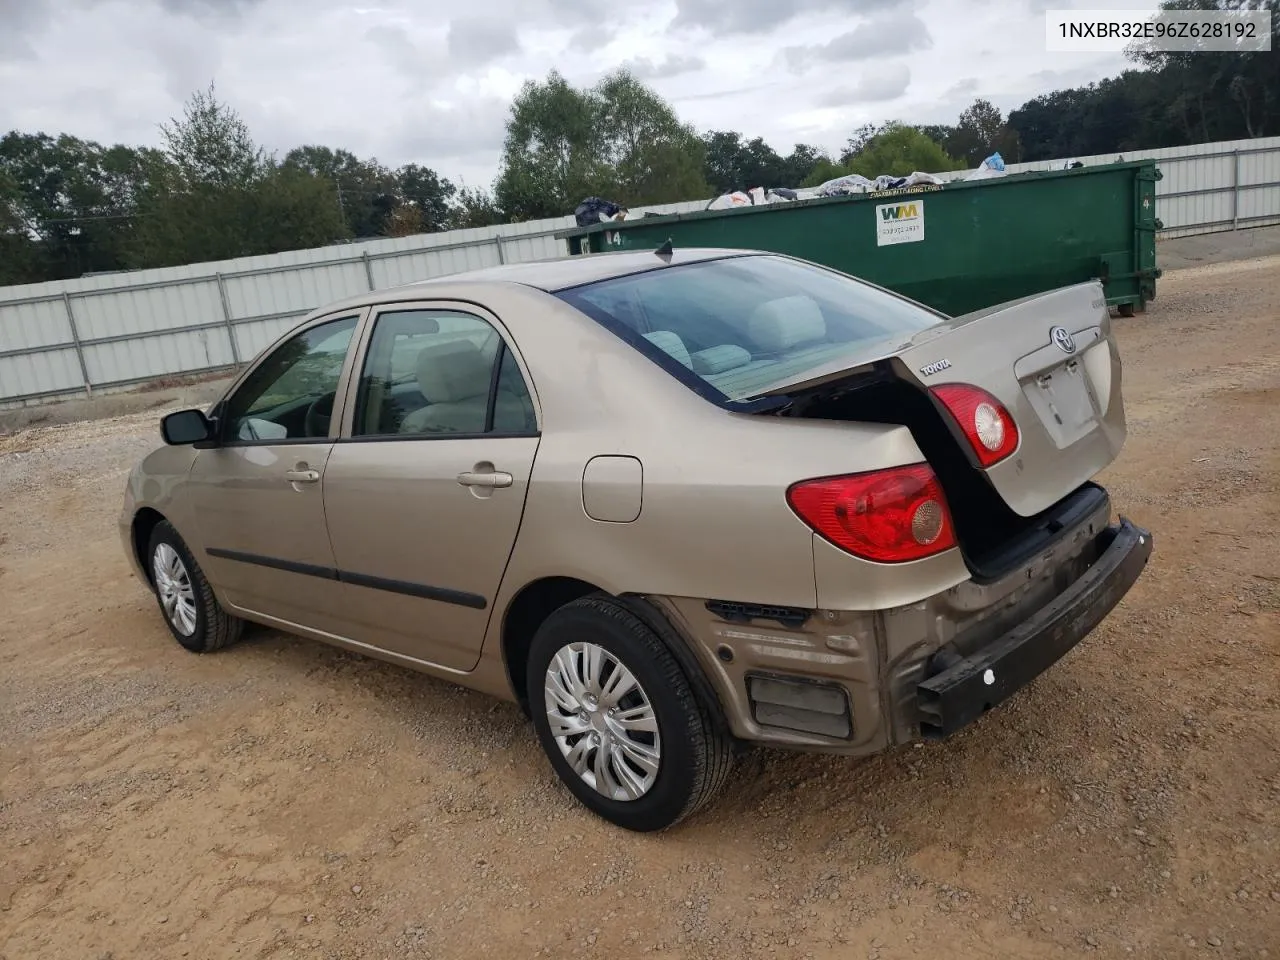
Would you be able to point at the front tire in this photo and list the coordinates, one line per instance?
(619, 719)
(187, 603)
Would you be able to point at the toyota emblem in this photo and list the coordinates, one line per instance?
(1062, 338)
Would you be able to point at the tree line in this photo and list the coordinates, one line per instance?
(70, 206)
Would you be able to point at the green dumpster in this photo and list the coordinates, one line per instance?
(957, 248)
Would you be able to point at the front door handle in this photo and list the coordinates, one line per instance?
(487, 479)
(302, 476)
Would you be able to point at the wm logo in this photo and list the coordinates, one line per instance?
(903, 211)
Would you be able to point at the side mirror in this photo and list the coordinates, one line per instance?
(186, 426)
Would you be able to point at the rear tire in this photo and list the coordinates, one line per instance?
(187, 603)
(657, 755)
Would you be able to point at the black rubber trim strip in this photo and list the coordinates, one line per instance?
(459, 598)
(963, 691)
(307, 569)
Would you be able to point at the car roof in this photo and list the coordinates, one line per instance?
(560, 273)
(551, 275)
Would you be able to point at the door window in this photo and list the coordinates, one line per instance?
(290, 395)
(439, 373)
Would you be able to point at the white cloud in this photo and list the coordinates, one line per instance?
(416, 81)
(875, 86)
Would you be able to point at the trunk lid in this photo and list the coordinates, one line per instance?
(1051, 359)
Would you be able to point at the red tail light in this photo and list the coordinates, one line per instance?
(986, 423)
(889, 516)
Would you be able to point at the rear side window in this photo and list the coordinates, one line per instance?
(742, 325)
(437, 373)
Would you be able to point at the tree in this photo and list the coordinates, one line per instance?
(858, 142)
(939, 133)
(654, 157)
(364, 190)
(222, 196)
(898, 150)
(617, 139)
(732, 164)
(1243, 84)
(427, 193)
(19, 253)
(552, 155)
(474, 208)
(211, 145)
(980, 132)
(73, 201)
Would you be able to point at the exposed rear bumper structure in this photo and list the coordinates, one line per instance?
(961, 691)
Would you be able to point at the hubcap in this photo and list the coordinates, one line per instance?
(602, 721)
(173, 584)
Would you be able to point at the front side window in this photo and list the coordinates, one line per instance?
(742, 325)
(440, 373)
(290, 395)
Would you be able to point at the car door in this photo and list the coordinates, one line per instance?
(425, 491)
(258, 494)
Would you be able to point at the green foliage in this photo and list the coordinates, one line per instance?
(70, 206)
(474, 208)
(211, 145)
(617, 140)
(732, 164)
(897, 150)
(980, 132)
(221, 196)
(1179, 98)
(364, 190)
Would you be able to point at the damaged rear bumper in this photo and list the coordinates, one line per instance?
(958, 692)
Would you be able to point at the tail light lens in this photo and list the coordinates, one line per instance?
(889, 516)
(984, 420)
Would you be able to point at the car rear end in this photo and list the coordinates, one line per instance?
(943, 584)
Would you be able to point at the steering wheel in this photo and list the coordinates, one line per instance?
(318, 416)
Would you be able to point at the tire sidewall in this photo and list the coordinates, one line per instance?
(670, 795)
(165, 534)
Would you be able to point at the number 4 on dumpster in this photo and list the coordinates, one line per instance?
(901, 222)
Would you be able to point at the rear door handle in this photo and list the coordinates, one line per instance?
(302, 476)
(495, 479)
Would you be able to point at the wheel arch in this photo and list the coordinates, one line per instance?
(526, 612)
(145, 521)
(540, 598)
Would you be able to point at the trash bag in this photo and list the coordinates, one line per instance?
(782, 193)
(993, 166)
(843, 186)
(728, 201)
(595, 210)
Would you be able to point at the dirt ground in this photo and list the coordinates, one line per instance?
(285, 799)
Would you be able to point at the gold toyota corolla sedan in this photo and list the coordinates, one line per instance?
(672, 503)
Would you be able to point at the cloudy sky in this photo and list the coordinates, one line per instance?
(426, 81)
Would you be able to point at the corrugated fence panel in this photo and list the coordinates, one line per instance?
(1205, 188)
(425, 264)
(252, 338)
(34, 374)
(183, 351)
(295, 289)
(40, 324)
(524, 249)
(114, 313)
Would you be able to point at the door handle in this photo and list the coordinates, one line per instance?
(491, 480)
(302, 476)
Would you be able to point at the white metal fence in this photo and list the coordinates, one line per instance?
(112, 331)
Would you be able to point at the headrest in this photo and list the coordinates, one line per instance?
(726, 356)
(670, 343)
(787, 322)
(452, 371)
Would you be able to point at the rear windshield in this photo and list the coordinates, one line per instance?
(743, 325)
